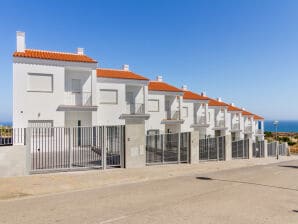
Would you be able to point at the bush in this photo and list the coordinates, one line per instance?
(291, 143)
(268, 134)
(284, 139)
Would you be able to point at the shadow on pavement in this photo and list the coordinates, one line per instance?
(244, 182)
(288, 166)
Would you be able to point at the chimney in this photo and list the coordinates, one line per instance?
(80, 51)
(125, 67)
(159, 78)
(203, 93)
(184, 87)
(232, 104)
(242, 108)
(21, 45)
(219, 99)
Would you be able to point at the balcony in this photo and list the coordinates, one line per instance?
(135, 108)
(78, 98)
(248, 129)
(173, 117)
(235, 126)
(77, 101)
(220, 125)
(135, 111)
(259, 132)
(201, 122)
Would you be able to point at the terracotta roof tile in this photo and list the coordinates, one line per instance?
(52, 55)
(188, 95)
(233, 108)
(215, 103)
(162, 86)
(246, 113)
(119, 74)
(257, 117)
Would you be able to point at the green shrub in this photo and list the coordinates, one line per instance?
(290, 143)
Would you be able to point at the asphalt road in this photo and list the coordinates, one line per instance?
(259, 194)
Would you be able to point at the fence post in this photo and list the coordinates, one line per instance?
(250, 148)
(163, 148)
(28, 151)
(217, 147)
(70, 143)
(265, 149)
(104, 148)
(178, 144)
(194, 147)
(228, 147)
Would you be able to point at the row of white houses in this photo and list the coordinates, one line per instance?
(55, 89)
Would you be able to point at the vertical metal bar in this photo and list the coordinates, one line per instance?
(178, 144)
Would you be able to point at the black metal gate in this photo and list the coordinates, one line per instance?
(258, 149)
(168, 148)
(212, 149)
(77, 147)
(240, 149)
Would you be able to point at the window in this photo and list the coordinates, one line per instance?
(40, 82)
(153, 105)
(184, 111)
(108, 96)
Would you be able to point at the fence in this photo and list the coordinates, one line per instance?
(240, 149)
(272, 148)
(11, 136)
(212, 149)
(168, 148)
(258, 149)
(77, 147)
(275, 147)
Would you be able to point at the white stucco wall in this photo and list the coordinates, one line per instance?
(37, 105)
(154, 122)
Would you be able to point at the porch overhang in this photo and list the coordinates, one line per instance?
(135, 116)
(76, 108)
(172, 121)
(220, 128)
(199, 125)
(236, 130)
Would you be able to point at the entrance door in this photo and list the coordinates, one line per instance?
(76, 89)
(130, 102)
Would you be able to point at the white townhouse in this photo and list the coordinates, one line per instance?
(259, 127)
(53, 88)
(236, 126)
(195, 112)
(122, 95)
(218, 118)
(164, 107)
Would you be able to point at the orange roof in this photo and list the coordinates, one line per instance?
(118, 74)
(257, 117)
(246, 113)
(233, 108)
(188, 95)
(52, 55)
(162, 86)
(215, 103)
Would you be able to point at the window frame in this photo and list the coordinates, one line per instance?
(108, 90)
(158, 105)
(40, 74)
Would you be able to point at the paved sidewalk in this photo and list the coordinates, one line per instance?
(43, 184)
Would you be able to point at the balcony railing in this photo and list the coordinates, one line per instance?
(259, 131)
(135, 108)
(78, 98)
(236, 126)
(173, 115)
(201, 120)
(219, 123)
(248, 129)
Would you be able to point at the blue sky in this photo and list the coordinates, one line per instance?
(243, 51)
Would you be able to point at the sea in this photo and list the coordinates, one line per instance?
(283, 126)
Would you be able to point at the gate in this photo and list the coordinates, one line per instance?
(283, 149)
(55, 149)
(168, 148)
(258, 149)
(272, 148)
(212, 149)
(240, 149)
